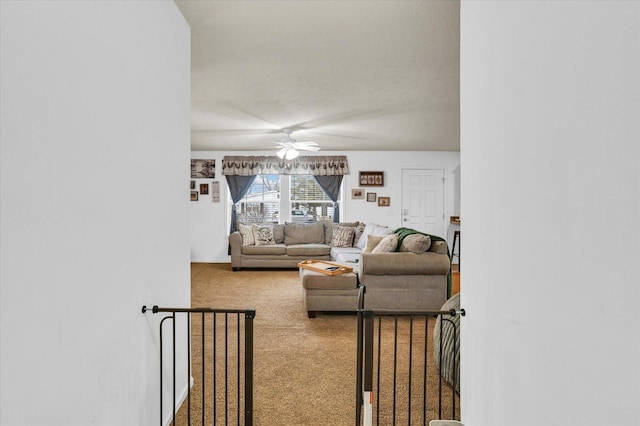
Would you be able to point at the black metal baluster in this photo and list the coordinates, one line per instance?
(248, 369)
(204, 367)
(410, 367)
(215, 371)
(238, 369)
(379, 388)
(424, 371)
(226, 368)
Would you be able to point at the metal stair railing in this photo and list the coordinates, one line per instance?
(243, 380)
(373, 364)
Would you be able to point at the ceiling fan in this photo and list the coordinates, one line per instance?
(289, 146)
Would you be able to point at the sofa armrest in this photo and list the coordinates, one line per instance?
(404, 263)
(235, 241)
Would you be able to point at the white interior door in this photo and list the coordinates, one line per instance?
(423, 200)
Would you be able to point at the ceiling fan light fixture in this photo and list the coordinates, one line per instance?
(290, 147)
(291, 154)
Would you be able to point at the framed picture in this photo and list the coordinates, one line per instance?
(193, 185)
(372, 178)
(357, 194)
(215, 191)
(203, 169)
(371, 196)
(194, 195)
(204, 188)
(384, 201)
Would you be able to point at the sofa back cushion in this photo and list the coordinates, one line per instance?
(304, 233)
(439, 247)
(415, 243)
(278, 233)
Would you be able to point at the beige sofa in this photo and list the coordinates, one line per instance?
(406, 281)
(292, 243)
(398, 280)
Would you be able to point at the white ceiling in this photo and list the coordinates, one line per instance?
(350, 75)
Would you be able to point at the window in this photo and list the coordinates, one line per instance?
(262, 202)
(279, 199)
(308, 200)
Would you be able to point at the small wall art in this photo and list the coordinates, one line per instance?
(215, 191)
(203, 169)
(194, 195)
(371, 196)
(371, 178)
(384, 201)
(357, 194)
(204, 188)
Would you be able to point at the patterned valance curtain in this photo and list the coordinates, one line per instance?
(329, 165)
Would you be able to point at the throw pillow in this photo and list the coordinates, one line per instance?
(247, 234)
(359, 232)
(263, 234)
(416, 243)
(371, 229)
(372, 242)
(342, 236)
(330, 226)
(387, 245)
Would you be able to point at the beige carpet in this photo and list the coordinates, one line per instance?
(305, 369)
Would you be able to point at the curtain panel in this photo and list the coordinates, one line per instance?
(331, 186)
(331, 165)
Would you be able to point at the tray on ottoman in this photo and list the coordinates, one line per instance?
(325, 267)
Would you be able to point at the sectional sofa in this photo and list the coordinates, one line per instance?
(411, 271)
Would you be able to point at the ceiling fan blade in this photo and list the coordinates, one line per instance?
(307, 148)
(305, 143)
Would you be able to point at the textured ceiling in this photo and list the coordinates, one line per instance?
(350, 75)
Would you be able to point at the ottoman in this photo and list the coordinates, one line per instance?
(329, 292)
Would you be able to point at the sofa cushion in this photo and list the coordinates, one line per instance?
(340, 254)
(271, 249)
(343, 236)
(415, 243)
(304, 233)
(247, 234)
(388, 244)
(372, 229)
(263, 234)
(309, 250)
(278, 233)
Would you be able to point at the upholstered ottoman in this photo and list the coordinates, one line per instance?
(329, 292)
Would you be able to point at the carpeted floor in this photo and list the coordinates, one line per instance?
(304, 369)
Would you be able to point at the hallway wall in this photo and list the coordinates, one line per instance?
(550, 196)
(94, 139)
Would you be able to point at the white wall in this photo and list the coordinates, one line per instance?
(210, 229)
(94, 217)
(550, 200)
